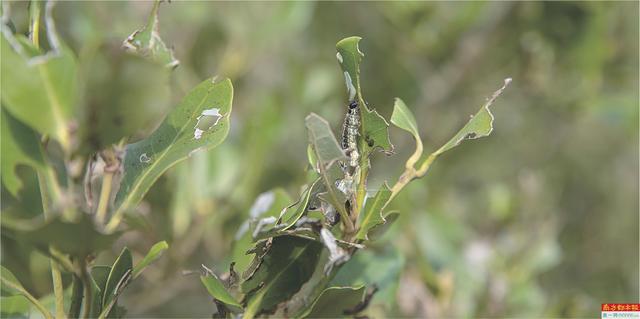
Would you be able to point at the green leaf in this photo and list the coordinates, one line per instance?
(379, 230)
(324, 143)
(63, 235)
(372, 214)
(286, 267)
(374, 129)
(404, 119)
(121, 267)
(14, 307)
(129, 97)
(147, 41)
(20, 145)
(199, 123)
(267, 204)
(217, 291)
(368, 267)
(10, 286)
(480, 125)
(153, 254)
(99, 277)
(41, 92)
(334, 301)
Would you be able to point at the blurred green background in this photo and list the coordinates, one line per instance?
(539, 219)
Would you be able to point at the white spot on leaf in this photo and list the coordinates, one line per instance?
(350, 88)
(339, 57)
(144, 158)
(207, 119)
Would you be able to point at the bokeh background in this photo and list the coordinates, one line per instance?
(539, 219)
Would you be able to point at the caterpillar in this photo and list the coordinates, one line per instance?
(350, 133)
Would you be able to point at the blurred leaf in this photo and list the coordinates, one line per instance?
(200, 122)
(372, 214)
(290, 219)
(63, 235)
(147, 41)
(287, 266)
(10, 286)
(334, 301)
(153, 254)
(126, 97)
(374, 128)
(325, 145)
(404, 119)
(20, 145)
(121, 268)
(14, 307)
(368, 267)
(217, 291)
(480, 125)
(42, 91)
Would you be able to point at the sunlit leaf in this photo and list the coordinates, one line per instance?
(334, 301)
(404, 119)
(374, 131)
(41, 93)
(480, 125)
(20, 146)
(217, 291)
(154, 253)
(289, 263)
(199, 123)
(372, 214)
(147, 41)
(14, 307)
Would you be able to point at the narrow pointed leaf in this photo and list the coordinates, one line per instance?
(120, 268)
(199, 123)
(20, 146)
(154, 253)
(40, 92)
(372, 214)
(217, 291)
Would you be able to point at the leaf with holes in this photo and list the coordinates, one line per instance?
(199, 123)
(374, 130)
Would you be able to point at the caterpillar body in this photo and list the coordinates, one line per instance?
(350, 133)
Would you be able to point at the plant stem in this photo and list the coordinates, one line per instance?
(34, 26)
(105, 195)
(47, 183)
(88, 293)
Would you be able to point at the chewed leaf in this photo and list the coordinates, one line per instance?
(334, 301)
(147, 41)
(374, 129)
(19, 147)
(42, 91)
(379, 230)
(284, 269)
(217, 291)
(404, 119)
(480, 125)
(182, 132)
(154, 253)
(372, 213)
(323, 141)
